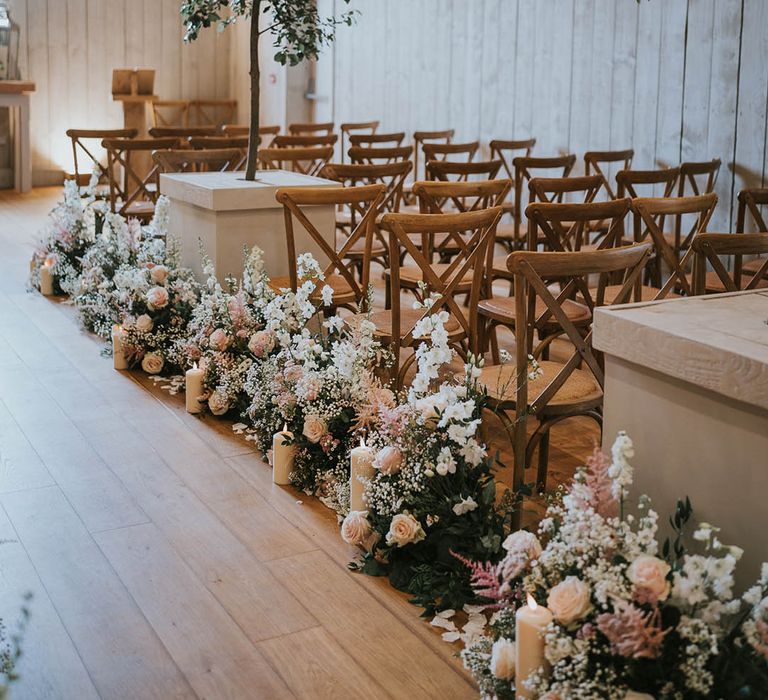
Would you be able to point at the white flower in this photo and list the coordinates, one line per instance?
(569, 600)
(523, 542)
(144, 323)
(314, 428)
(218, 402)
(152, 363)
(503, 659)
(621, 470)
(404, 529)
(327, 292)
(445, 464)
(466, 505)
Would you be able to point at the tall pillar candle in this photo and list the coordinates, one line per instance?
(361, 464)
(193, 388)
(46, 280)
(531, 622)
(118, 354)
(282, 456)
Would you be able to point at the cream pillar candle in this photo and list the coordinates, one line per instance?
(530, 622)
(282, 456)
(361, 464)
(193, 388)
(118, 354)
(46, 280)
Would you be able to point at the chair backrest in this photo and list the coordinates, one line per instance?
(447, 170)
(567, 226)
(390, 175)
(750, 201)
(384, 154)
(707, 248)
(423, 137)
(126, 184)
(218, 142)
(365, 200)
(526, 167)
(212, 112)
(381, 140)
(453, 152)
(311, 128)
(600, 163)
(187, 160)
(170, 113)
(308, 161)
(161, 132)
(80, 139)
(628, 181)
(303, 140)
(653, 212)
(574, 273)
(699, 177)
(506, 151)
(357, 128)
(479, 229)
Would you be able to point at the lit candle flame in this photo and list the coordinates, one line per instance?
(285, 427)
(531, 602)
(194, 365)
(362, 441)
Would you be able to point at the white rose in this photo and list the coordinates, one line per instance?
(503, 659)
(569, 600)
(159, 274)
(157, 297)
(649, 575)
(523, 542)
(144, 323)
(152, 363)
(314, 429)
(218, 403)
(404, 529)
(388, 460)
(356, 529)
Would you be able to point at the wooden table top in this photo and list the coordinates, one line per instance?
(16, 87)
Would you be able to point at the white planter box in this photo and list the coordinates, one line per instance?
(225, 212)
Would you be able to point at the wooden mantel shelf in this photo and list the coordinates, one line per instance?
(16, 87)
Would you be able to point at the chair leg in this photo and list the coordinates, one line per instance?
(494, 333)
(541, 473)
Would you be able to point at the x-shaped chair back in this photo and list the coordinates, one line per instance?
(653, 212)
(700, 177)
(449, 152)
(377, 140)
(534, 273)
(390, 175)
(266, 133)
(212, 112)
(81, 139)
(182, 132)
(222, 142)
(600, 163)
(420, 138)
(365, 199)
(379, 154)
(177, 113)
(506, 151)
(308, 161)
(126, 185)
(189, 161)
(311, 128)
(707, 247)
(303, 140)
(750, 201)
(571, 235)
(440, 289)
(350, 129)
(660, 182)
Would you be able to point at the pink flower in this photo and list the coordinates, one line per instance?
(649, 575)
(218, 340)
(293, 373)
(570, 600)
(314, 429)
(631, 632)
(388, 460)
(193, 352)
(157, 297)
(159, 273)
(328, 443)
(357, 531)
(598, 485)
(238, 312)
(523, 542)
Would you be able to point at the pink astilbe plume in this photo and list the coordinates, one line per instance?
(485, 580)
(238, 311)
(393, 420)
(598, 485)
(631, 632)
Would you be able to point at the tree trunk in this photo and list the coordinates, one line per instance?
(253, 140)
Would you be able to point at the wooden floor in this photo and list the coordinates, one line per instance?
(162, 560)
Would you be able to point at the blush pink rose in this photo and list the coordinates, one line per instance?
(404, 529)
(356, 530)
(159, 273)
(314, 429)
(262, 343)
(157, 297)
(523, 542)
(218, 340)
(218, 403)
(569, 600)
(144, 323)
(649, 576)
(293, 373)
(152, 363)
(388, 460)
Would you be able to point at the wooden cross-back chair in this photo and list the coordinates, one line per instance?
(338, 272)
(311, 128)
(307, 161)
(212, 112)
(266, 133)
(396, 326)
(170, 113)
(391, 176)
(561, 226)
(349, 129)
(629, 181)
(377, 140)
(453, 152)
(653, 212)
(420, 138)
(599, 162)
(698, 177)
(750, 202)
(708, 247)
(187, 160)
(131, 192)
(303, 140)
(183, 133)
(82, 145)
(506, 150)
(513, 236)
(204, 142)
(563, 388)
(379, 154)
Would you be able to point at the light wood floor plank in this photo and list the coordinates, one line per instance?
(20, 466)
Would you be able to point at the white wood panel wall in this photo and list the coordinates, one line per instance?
(673, 79)
(69, 48)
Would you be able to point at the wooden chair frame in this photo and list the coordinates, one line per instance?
(382, 154)
(158, 120)
(188, 160)
(707, 247)
(303, 140)
(597, 160)
(368, 140)
(307, 161)
(202, 112)
(308, 128)
(349, 128)
(420, 138)
(78, 135)
(506, 151)
(245, 130)
(182, 132)
(449, 152)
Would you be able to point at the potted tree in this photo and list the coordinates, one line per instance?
(298, 31)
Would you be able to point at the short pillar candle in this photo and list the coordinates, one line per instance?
(361, 464)
(46, 280)
(282, 456)
(531, 622)
(118, 354)
(193, 388)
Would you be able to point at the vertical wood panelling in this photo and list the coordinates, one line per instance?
(646, 85)
(582, 57)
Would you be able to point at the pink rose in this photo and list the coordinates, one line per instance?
(308, 387)
(157, 297)
(523, 542)
(262, 343)
(218, 403)
(314, 429)
(388, 460)
(193, 352)
(569, 600)
(152, 363)
(159, 273)
(144, 323)
(356, 530)
(218, 340)
(404, 529)
(649, 575)
(293, 373)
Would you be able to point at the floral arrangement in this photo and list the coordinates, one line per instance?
(432, 495)
(627, 618)
(74, 224)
